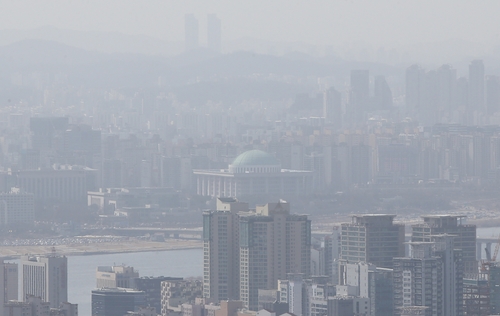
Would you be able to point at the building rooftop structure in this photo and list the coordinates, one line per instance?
(255, 157)
(253, 172)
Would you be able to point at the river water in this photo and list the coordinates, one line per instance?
(173, 263)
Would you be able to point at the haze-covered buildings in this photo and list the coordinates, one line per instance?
(254, 172)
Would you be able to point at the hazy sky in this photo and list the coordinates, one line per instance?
(321, 22)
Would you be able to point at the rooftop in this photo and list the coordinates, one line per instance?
(255, 158)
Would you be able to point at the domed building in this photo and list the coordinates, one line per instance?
(254, 172)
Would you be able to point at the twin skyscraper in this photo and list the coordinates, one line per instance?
(192, 33)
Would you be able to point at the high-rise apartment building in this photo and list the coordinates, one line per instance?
(431, 278)
(453, 225)
(245, 251)
(492, 94)
(417, 280)
(191, 32)
(221, 250)
(415, 85)
(45, 277)
(332, 107)
(476, 89)
(372, 238)
(273, 242)
(214, 31)
(446, 87)
(359, 96)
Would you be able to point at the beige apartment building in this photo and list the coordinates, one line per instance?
(273, 243)
(247, 250)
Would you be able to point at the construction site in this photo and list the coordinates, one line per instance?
(482, 290)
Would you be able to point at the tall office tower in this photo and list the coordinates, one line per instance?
(432, 277)
(415, 85)
(476, 90)
(273, 242)
(382, 94)
(17, 207)
(492, 94)
(117, 301)
(115, 276)
(214, 31)
(191, 32)
(9, 281)
(372, 238)
(221, 250)
(359, 96)
(332, 108)
(449, 224)
(45, 277)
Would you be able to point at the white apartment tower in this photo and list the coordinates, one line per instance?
(221, 250)
(45, 277)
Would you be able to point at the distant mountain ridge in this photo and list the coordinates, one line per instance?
(106, 42)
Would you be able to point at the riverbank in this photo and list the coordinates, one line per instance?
(127, 246)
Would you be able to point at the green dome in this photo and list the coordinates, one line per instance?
(255, 158)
